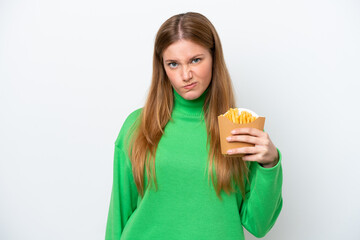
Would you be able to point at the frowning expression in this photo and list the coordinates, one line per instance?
(188, 66)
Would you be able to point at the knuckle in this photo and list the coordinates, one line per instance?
(248, 150)
(238, 150)
(254, 150)
(247, 138)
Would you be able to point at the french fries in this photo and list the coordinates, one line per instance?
(237, 118)
(244, 117)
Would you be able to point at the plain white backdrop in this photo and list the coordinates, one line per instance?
(71, 72)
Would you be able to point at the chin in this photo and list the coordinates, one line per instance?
(191, 95)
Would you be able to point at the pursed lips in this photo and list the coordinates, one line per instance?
(189, 84)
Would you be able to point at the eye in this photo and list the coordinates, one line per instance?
(172, 65)
(196, 60)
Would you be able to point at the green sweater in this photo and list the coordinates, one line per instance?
(186, 206)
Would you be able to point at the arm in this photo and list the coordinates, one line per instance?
(263, 199)
(124, 193)
(123, 197)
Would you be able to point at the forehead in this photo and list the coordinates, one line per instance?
(183, 49)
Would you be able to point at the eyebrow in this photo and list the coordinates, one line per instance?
(195, 56)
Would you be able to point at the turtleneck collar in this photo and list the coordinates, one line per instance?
(189, 107)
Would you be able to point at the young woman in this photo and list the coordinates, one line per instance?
(170, 179)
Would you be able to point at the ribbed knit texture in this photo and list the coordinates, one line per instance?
(185, 205)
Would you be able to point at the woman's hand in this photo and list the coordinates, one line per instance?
(264, 152)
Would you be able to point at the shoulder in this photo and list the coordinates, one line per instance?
(131, 118)
(129, 125)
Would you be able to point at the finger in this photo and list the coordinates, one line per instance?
(249, 131)
(246, 139)
(244, 150)
(251, 158)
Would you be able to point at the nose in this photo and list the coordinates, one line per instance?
(187, 73)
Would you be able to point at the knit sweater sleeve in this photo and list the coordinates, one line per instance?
(263, 198)
(124, 195)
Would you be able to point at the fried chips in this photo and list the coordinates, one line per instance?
(242, 118)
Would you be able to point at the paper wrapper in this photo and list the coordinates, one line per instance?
(226, 126)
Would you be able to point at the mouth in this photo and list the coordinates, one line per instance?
(190, 85)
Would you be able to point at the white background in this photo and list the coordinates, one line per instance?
(72, 70)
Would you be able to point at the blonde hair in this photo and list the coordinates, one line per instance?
(156, 113)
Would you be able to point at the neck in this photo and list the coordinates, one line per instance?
(189, 107)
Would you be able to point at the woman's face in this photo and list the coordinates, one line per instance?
(189, 67)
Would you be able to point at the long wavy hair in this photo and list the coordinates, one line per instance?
(230, 171)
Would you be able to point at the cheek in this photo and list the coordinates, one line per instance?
(206, 72)
(171, 76)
